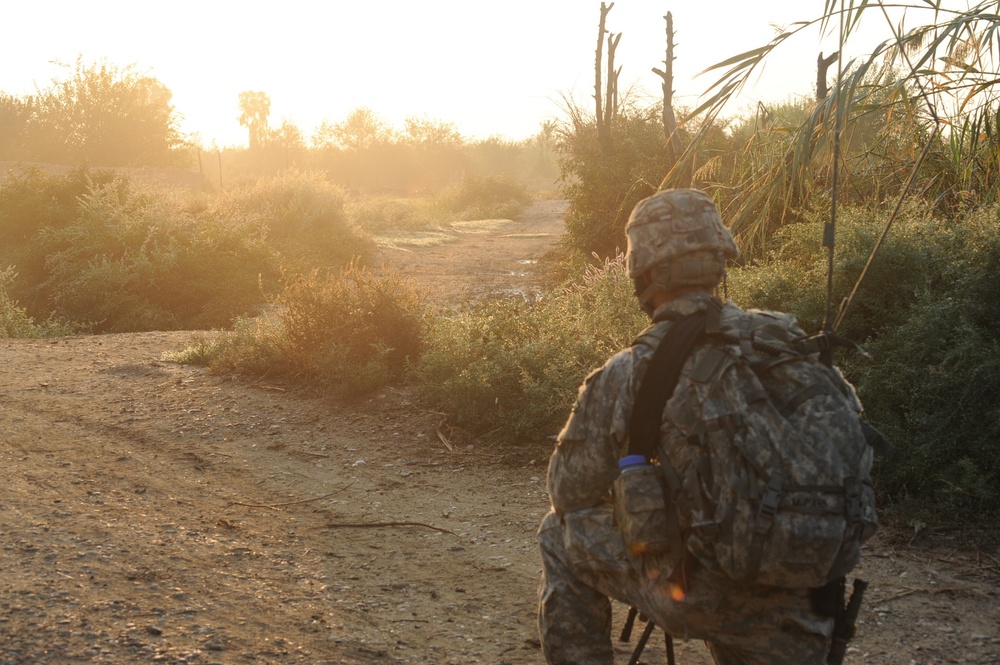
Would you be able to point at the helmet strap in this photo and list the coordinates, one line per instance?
(646, 296)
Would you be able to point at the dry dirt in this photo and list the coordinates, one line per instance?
(154, 513)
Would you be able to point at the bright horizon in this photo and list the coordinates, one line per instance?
(490, 72)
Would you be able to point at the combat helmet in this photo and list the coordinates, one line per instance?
(676, 238)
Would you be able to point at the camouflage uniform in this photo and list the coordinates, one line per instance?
(585, 561)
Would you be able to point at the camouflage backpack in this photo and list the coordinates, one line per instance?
(764, 457)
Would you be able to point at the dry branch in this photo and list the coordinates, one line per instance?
(444, 439)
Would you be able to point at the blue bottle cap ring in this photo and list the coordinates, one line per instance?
(632, 460)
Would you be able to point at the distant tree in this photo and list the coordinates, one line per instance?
(362, 129)
(289, 135)
(431, 133)
(323, 137)
(106, 115)
(289, 141)
(255, 107)
(14, 116)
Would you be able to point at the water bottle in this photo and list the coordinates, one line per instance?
(631, 463)
(640, 507)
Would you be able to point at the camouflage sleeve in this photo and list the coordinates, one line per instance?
(585, 461)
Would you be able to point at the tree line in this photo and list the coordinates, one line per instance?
(100, 114)
(104, 115)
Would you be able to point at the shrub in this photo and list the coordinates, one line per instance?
(792, 276)
(302, 216)
(348, 332)
(510, 369)
(484, 197)
(381, 214)
(101, 248)
(32, 201)
(602, 187)
(928, 312)
(934, 388)
(135, 259)
(15, 321)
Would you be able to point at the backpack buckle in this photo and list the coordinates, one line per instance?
(770, 503)
(852, 501)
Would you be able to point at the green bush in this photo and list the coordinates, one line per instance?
(510, 369)
(929, 313)
(101, 249)
(792, 276)
(602, 187)
(15, 321)
(302, 216)
(32, 201)
(135, 259)
(348, 332)
(934, 387)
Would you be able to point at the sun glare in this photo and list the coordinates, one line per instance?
(489, 70)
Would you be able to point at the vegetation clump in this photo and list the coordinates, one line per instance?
(602, 187)
(346, 332)
(104, 250)
(928, 314)
(15, 322)
(509, 369)
(483, 197)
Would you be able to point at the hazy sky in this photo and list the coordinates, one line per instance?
(492, 68)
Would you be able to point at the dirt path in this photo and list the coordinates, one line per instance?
(153, 513)
(497, 257)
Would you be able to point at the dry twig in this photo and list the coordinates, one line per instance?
(275, 506)
(363, 525)
(443, 438)
(908, 591)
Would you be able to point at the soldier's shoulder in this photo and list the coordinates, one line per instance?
(781, 324)
(612, 374)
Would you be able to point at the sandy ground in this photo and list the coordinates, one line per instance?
(155, 513)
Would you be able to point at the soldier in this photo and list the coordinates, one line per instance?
(677, 251)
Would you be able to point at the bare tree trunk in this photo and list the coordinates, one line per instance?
(611, 93)
(674, 148)
(822, 64)
(606, 104)
(598, 100)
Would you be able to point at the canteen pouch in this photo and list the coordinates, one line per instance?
(641, 511)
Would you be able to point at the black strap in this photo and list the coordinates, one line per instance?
(661, 378)
(844, 622)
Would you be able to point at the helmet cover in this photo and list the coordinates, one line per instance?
(674, 223)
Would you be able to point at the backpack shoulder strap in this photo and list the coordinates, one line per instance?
(660, 380)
